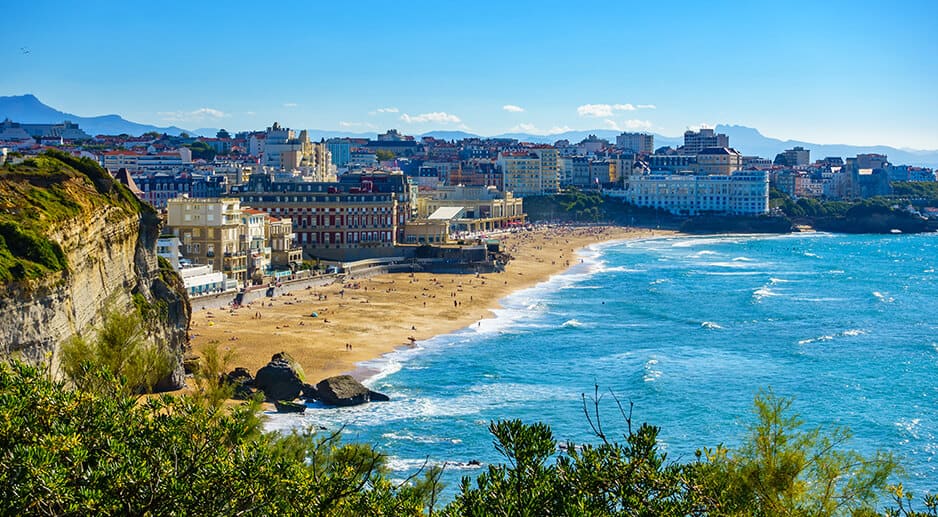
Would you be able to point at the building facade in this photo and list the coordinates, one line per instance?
(742, 193)
(639, 143)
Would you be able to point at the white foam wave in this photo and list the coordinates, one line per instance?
(775, 281)
(813, 255)
(883, 297)
(659, 281)
(703, 253)
(572, 324)
(815, 340)
(763, 292)
(710, 325)
(651, 373)
(407, 437)
(743, 259)
(845, 333)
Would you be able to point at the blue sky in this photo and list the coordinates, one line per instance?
(857, 72)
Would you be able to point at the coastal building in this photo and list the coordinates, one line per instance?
(696, 141)
(719, 160)
(157, 188)
(340, 149)
(66, 130)
(284, 150)
(797, 156)
(141, 162)
(359, 216)
(533, 171)
(638, 143)
(741, 193)
(672, 162)
(479, 208)
(210, 232)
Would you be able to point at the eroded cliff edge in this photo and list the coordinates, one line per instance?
(74, 244)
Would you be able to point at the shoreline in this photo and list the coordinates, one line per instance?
(365, 319)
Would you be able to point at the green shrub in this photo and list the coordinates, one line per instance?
(119, 348)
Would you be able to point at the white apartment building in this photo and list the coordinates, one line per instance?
(696, 141)
(639, 143)
(742, 193)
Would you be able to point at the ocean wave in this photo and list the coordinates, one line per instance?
(883, 298)
(397, 464)
(763, 292)
(572, 324)
(744, 259)
(710, 325)
(845, 333)
(812, 255)
(651, 373)
(775, 281)
(703, 253)
(408, 437)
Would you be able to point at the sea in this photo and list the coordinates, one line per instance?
(682, 333)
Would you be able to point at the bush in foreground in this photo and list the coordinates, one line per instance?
(65, 451)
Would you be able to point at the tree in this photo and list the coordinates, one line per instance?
(120, 348)
(71, 452)
(223, 134)
(784, 469)
(202, 151)
(384, 155)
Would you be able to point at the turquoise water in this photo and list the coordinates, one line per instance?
(688, 329)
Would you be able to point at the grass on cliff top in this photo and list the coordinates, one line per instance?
(43, 194)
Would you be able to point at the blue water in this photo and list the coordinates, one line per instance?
(688, 329)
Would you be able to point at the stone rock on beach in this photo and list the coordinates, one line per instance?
(281, 379)
(344, 390)
(242, 382)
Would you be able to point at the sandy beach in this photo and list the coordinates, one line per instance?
(364, 318)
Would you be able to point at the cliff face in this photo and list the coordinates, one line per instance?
(105, 243)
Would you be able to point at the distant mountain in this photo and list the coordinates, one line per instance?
(747, 140)
(208, 132)
(750, 141)
(29, 110)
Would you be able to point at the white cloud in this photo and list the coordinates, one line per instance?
(698, 127)
(440, 117)
(606, 110)
(512, 108)
(387, 110)
(368, 125)
(193, 116)
(290, 104)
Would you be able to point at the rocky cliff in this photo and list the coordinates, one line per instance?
(75, 244)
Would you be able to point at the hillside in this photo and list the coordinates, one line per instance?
(74, 244)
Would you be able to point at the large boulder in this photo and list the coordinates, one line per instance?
(281, 379)
(344, 390)
(242, 382)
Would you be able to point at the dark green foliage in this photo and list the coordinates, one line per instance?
(784, 469)
(120, 348)
(40, 254)
(42, 194)
(384, 155)
(106, 452)
(202, 151)
(68, 452)
(918, 190)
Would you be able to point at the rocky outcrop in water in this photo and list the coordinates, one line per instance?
(74, 245)
(344, 390)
